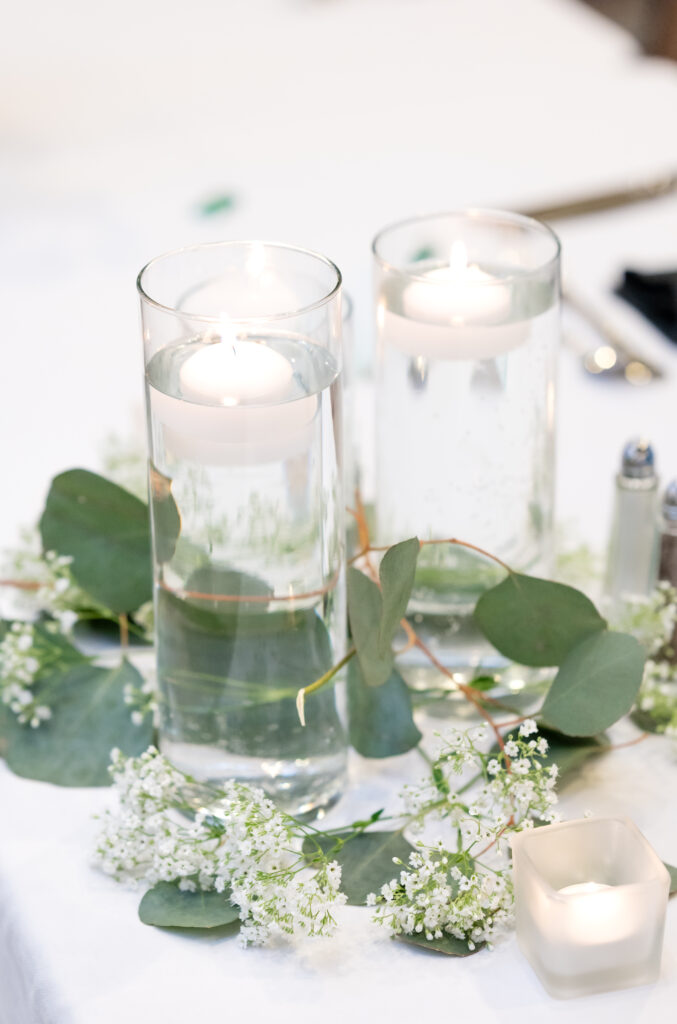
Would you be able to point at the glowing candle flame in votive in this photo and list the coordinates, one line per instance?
(597, 913)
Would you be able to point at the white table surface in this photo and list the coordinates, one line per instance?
(327, 119)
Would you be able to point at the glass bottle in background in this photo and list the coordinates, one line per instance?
(243, 394)
(467, 312)
(667, 562)
(633, 546)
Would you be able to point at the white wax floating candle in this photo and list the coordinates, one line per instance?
(231, 373)
(457, 294)
(239, 406)
(455, 312)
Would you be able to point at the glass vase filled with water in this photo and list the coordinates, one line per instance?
(243, 396)
(468, 325)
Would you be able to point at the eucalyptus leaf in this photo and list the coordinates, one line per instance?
(570, 753)
(397, 572)
(89, 718)
(105, 530)
(165, 514)
(167, 906)
(536, 622)
(596, 685)
(448, 944)
(366, 860)
(232, 676)
(365, 610)
(54, 647)
(221, 581)
(651, 721)
(375, 613)
(380, 718)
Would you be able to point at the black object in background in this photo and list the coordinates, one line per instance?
(654, 295)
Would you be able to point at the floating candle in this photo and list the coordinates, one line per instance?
(458, 311)
(239, 404)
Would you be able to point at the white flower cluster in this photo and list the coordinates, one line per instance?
(241, 845)
(651, 620)
(658, 696)
(20, 664)
(435, 897)
(517, 786)
(55, 591)
(457, 893)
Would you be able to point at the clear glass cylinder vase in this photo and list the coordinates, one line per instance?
(467, 309)
(242, 345)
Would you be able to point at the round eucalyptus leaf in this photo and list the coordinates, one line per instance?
(89, 718)
(106, 532)
(448, 944)
(596, 685)
(167, 906)
(536, 622)
(366, 860)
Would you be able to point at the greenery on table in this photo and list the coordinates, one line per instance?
(62, 711)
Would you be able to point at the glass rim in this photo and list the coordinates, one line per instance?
(659, 873)
(204, 318)
(472, 213)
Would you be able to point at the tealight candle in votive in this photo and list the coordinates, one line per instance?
(590, 899)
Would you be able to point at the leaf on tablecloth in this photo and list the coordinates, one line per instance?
(89, 718)
(167, 906)
(366, 860)
(448, 945)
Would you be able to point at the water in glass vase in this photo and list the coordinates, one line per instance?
(465, 449)
(247, 531)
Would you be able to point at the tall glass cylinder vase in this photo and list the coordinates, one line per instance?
(242, 348)
(468, 325)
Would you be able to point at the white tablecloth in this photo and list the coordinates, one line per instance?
(326, 119)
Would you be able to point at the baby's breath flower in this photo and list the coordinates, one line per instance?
(57, 593)
(430, 899)
(142, 700)
(241, 845)
(651, 620)
(457, 891)
(20, 664)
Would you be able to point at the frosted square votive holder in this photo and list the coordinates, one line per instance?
(590, 900)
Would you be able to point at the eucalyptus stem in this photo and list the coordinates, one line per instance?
(124, 632)
(318, 684)
(21, 584)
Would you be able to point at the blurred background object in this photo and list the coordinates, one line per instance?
(135, 129)
(652, 22)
